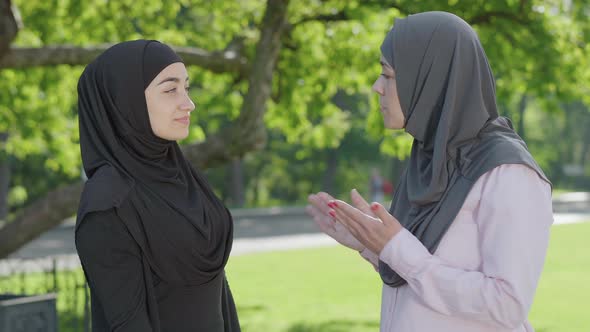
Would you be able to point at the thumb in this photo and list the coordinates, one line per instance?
(381, 212)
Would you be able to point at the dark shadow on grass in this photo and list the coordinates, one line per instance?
(333, 326)
(244, 310)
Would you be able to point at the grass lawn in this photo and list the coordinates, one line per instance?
(562, 302)
(328, 289)
(334, 290)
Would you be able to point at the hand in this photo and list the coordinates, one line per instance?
(373, 233)
(318, 210)
(360, 203)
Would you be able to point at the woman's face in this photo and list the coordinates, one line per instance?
(168, 103)
(386, 87)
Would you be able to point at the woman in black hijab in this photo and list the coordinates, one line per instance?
(152, 237)
(463, 243)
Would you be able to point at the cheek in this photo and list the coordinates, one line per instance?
(394, 96)
(159, 117)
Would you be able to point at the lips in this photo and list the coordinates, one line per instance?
(184, 120)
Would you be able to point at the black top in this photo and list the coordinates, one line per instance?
(122, 284)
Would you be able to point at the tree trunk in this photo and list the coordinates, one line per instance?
(237, 182)
(246, 134)
(4, 178)
(328, 183)
(9, 25)
(521, 109)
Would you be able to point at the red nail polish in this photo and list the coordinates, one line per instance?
(374, 206)
(331, 204)
(332, 213)
(335, 204)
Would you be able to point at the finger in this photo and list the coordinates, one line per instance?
(319, 203)
(312, 211)
(325, 198)
(353, 226)
(352, 212)
(354, 218)
(382, 213)
(322, 221)
(360, 203)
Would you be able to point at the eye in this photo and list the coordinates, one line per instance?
(187, 88)
(170, 91)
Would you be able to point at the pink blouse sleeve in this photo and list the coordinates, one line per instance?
(513, 219)
(371, 257)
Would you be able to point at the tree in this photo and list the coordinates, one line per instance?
(268, 68)
(247, 132)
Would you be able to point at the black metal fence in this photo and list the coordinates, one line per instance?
(59, 275)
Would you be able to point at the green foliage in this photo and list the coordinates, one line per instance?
(321, 98)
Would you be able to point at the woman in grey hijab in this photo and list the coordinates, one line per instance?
(463, 244)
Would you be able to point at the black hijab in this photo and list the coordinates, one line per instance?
(182, 228)
(448, 96)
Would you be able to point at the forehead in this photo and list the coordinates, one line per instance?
(176, 69)
(384, 63)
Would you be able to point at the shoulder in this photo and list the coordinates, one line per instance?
(513, 175)
(103, 233)
(106, 189)
(496, 149)
(513, 184)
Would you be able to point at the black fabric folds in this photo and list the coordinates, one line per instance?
(183, 230)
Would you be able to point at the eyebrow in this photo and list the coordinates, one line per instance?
(172, 79)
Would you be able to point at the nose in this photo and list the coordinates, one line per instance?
(187, 104)
(378, 86)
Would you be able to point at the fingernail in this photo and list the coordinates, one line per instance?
(332, 213)
(335, 204)
(374, 206)
(331, 204)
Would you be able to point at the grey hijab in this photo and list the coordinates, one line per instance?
(448, 96)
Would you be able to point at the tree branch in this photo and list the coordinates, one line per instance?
(40, 216)
(9, 25)
(338, 16)
(23, 57)
(486, 17)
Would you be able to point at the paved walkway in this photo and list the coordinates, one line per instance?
(256, 230)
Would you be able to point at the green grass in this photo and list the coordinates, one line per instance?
(328, 290)
(563, 296)
(334, 290)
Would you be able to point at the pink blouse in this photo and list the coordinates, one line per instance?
(484, 274)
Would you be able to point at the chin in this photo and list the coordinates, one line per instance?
(175, 137)
(393, 126)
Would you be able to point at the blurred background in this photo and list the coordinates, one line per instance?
(284, 108)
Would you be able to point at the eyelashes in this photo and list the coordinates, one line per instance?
(174, 90)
